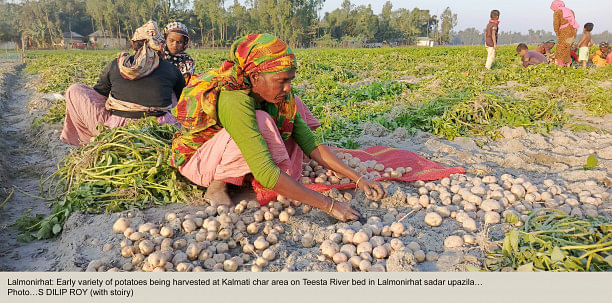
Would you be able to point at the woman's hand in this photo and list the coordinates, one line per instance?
(373, 190)
(343, 211)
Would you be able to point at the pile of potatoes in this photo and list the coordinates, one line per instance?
(230, 239)
(369, 169)
(368, 247)
(474, 201)
(217, 239)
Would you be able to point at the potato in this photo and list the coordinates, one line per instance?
(179, 244)
(272, 238)
(198, 269)
(121, 225)
(171, 217)
(189, 226)
(419, 255)
(344, 267)
(268, 254)
(453, 242)
(365, 247)
(261, 262)
(183, 267)
(261, 243)
(127, 251)
(159, 269)
(380, 252)
(166, 232)
(146, 247)
(397, 229)
(138, 259)
(469, 239)
(360, 237)
(128, 231)
(433, 219)
(156, 259)
(193, 251)
(230, 266)
(224, 234)
(211, 236)
(349, 250)
(248, 248)
(283, 217)
(347, 236)
(329, 249)
(255, 268)
(204, 255)
(125, 242)
(145, 228)
(377, 241)
(365, 265)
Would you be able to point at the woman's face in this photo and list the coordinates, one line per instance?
(175, 42)
(272, 88)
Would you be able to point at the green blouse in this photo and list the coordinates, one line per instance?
(236, 111)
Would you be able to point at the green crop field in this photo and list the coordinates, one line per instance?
(442, 90)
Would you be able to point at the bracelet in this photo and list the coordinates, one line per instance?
(357, 182)
(331, 207)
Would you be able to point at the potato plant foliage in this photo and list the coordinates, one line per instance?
(443, 90)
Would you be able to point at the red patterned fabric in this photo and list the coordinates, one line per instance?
(422, 169)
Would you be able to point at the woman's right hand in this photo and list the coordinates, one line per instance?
(343, 212)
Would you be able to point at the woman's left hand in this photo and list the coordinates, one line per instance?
(373, 190)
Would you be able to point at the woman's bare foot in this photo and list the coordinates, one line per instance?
(216, 194)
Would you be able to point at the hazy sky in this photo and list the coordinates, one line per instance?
(516, 15)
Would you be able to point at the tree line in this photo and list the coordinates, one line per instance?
(220, 22)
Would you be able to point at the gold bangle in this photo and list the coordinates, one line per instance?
(357, 182)
(331, 207)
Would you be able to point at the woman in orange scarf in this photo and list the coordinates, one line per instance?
(242, 119)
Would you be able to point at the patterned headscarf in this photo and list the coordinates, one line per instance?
(567, 13)
(146, 59)
(177, 27)
(196, 109)
(182, 60)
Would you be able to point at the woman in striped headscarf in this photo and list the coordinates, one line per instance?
(130, 87)
(242, 119)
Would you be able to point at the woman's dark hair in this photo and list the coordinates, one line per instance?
(520, 47)
(588, 27)
(494, 14)
(136, 45)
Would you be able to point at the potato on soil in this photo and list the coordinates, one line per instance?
(121, 225)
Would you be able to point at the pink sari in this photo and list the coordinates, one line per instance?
(85, 111)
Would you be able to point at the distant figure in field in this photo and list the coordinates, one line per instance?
(545, 48)
(529, 57)
(491, 37)
(177, 41)
(603, 56)
(565, 26)
(585, 44)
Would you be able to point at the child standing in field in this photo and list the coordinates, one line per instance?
(585, 43)
(529, 57)
(491, 37)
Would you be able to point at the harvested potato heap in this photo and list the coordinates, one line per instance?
(312, 172)
(223, 239)
(374, 247)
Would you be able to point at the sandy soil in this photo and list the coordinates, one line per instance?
(27, 155)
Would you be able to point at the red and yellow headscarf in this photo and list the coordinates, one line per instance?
(197, 108)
